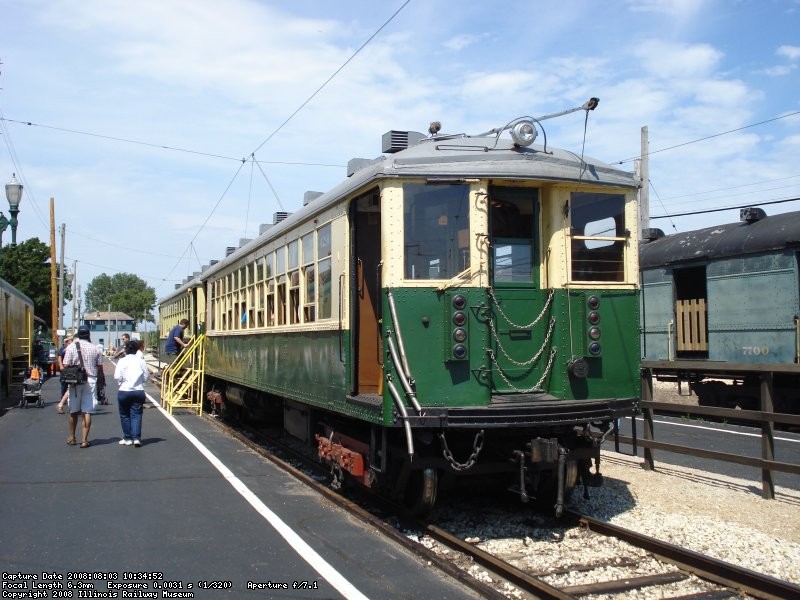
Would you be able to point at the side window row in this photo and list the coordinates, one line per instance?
(287, 286)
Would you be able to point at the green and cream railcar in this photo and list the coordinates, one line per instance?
(462, 305)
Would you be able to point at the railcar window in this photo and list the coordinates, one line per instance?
(294, 297)
(324, 266)
(598, 236)
(293, 260)
(271, 302)
(309, 274)
(280, 302)
(325, 289)
(280, 261)
(324, 241)
(270, 308)
(511, 219)
(436, 222)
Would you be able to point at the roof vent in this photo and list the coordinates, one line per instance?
(395, 141)
(652, 234)
(751, 214)
(309, 196)
(279, 216)
(213, 262)
(229, 250)
(243, 241)
(356, 164)
(263, 227)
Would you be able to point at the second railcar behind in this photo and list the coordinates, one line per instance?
(722, 304)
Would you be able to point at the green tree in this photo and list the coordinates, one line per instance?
(26, 266)
(125, 292)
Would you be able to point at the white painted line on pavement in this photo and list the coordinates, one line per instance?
(718, 430)
(306, 552)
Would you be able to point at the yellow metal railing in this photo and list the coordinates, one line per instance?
(182, 381)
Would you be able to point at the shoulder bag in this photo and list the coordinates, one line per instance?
(74, 374)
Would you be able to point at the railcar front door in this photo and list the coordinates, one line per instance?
(519, 325)
(366, 290)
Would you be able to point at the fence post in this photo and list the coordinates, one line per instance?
(647, 413)
(767, 435)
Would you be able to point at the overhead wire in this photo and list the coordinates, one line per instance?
(293, 114)
(329, 79)
(724, 208)
(708, 137)
(163, 146)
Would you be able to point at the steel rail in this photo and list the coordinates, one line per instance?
(256, 444)
(705, 567)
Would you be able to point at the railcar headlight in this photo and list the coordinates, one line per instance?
(594, 348)
(459, 351)
(594, 317)
(593, 302)
(523, 133)
(594, 333)
(459, 318)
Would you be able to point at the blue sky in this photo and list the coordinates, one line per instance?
(220, 78)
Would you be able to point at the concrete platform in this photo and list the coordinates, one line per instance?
(176, 513)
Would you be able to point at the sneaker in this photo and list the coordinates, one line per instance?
(125, 442)
(137, 443)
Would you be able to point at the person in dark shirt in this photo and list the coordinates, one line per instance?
(175, 341)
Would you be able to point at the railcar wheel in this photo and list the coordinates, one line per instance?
(421, 492)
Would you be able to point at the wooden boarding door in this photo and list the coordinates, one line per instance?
(367, 293)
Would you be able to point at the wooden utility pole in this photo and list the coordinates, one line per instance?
(63, 231)
(644, 175)
(53, 286)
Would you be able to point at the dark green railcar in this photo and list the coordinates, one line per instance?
(461, 306)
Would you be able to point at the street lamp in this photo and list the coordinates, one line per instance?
(14, 197)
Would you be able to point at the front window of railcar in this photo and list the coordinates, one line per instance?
(599, 236)
(436, 222)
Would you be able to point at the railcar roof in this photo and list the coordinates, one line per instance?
(11, 290)
(732, 239)
(452, 157)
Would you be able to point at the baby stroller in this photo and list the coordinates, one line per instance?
(32, 387)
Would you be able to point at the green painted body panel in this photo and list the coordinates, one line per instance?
(314, 367)
(309, 367)
(426, 328)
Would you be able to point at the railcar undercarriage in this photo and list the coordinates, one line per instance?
(540, 464)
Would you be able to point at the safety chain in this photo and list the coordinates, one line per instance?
(532, 323)
(477, 446)
(538, 386)
(531, 360)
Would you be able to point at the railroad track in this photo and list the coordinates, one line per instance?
(719, 579)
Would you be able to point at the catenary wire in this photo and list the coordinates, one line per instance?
(721, 209)
(329, 79)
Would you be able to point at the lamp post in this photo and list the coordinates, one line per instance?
(14, 197)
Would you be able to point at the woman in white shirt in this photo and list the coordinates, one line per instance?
(131, 374)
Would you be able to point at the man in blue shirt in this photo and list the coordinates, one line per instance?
(175, 341)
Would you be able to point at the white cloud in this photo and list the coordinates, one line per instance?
(790, 52)
(779, 71)
(459, 42)
(682, 9)
(667, 60)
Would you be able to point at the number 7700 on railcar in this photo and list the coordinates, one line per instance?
(461, 306)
